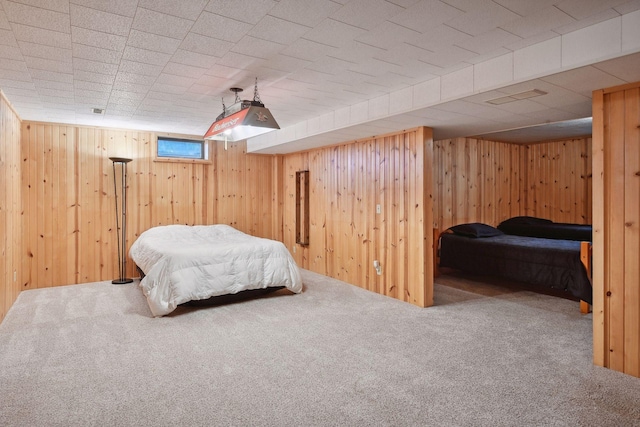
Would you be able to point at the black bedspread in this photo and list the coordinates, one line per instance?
(537, 227)
(548, 263)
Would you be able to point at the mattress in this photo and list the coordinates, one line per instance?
(183, 263)
(537, 227)
(547, 263)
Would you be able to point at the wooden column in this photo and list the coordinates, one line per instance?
(616, 228)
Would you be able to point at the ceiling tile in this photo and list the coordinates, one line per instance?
(256, 47)
(93, 86)
(145, 56)
(184, 70)
(366, 14)
(538, 22)
(140, 68)
(249, 11)
(57, 93)
(13, 65)
(240, 61)
(335, 33)
(304, 12)
(194, 59)
(96, 20)
(7, 38)
(48, 64)
(580, 9)
(16, 84)
(587, 22)
(287, 64)
(307, 50)
(131, 78)
(4, 21)
(387, 36)
(133, 87)
(205, 45)
(55, 5)
(173, 80)
(37, 17)
(439, 37)
(526, 7)
(483, 18)
(96, 54)
(626, 68)
(154, 42)
(20, 75)
(583, 80)
(94, 66)
(187, 9)
(162, 24)
(10, 52)
(426, 14)
(98, 39)
(41, 36)
(489, 41)
(47, 52)
(87, 77)
(278, 30)
(220, 27)
(168, 89)
(119, 7)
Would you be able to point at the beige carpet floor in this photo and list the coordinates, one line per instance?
(91, 354)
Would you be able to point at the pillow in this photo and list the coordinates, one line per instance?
(476, 229)
(525, 220)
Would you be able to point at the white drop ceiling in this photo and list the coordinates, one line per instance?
(329, 70)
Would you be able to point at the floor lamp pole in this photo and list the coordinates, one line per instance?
(122, 236)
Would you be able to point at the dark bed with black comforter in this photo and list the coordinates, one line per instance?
(548, 263)
(540, 227)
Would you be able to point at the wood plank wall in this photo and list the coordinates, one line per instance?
(69, 205)
(346, 234)
(476, 181)
(558, 180)
(487, 181)
(616, 221)
(10, 207)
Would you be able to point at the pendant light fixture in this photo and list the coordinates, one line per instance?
(244, 119)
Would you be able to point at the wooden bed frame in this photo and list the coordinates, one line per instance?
(586, 252)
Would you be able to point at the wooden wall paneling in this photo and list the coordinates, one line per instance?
(616, 220)
(616, 233)
(11, 205)
(424, 164)
(600, 346)
(346, 234)
(631, 295)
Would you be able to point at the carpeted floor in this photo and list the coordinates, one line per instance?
(334, 355)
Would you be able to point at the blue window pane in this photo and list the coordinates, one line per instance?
(180, 148)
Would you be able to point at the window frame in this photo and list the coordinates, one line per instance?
(206, 149)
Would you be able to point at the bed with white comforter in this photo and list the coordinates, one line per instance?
(183, 263)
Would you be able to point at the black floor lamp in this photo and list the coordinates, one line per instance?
(122, 236)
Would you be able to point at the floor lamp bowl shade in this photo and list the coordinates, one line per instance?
(121, 217)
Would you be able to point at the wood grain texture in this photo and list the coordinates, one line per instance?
(347, 182)
(616, 220)
(67, 184)
(487, 181)
(11, 260)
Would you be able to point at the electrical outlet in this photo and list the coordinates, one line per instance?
(378, 209)
(15, 275)
(378, 267)
(294, 249)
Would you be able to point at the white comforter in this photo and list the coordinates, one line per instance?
(184, 263)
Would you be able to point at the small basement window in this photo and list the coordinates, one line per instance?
(170, 148)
